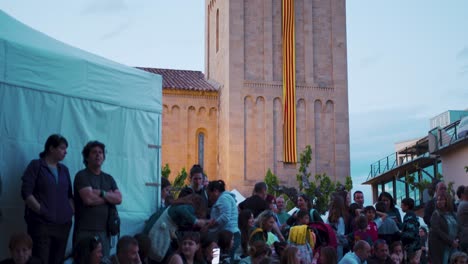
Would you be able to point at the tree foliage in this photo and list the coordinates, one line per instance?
(179, 182)
(321, 188)
(272, 182)
(166, 171)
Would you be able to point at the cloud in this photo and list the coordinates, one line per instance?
(370, 61)
(104, 7)
(462, 58)
(117, 30)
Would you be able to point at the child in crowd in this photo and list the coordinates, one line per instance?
(373, 223)
(361, 233)
(410, 232)
(303, 237)
(458, 258)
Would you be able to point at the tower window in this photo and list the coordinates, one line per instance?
(201, 148)
(217, 30)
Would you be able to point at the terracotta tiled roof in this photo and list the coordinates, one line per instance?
(182, 79)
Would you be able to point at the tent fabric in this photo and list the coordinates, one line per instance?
(48, 87)
(34, 60)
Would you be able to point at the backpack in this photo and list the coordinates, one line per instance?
(256, 231)
(113, 221)
(325, 235)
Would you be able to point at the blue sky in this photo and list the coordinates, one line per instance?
(407, 60)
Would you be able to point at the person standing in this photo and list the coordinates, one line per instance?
(196, 185)
(256, 203)
(462, 219)
(224, 212)
(47, 192)
(430, 206)
(95, 192)
(444, 230)
(358, 197)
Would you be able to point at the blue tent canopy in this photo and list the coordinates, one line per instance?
(49, 87)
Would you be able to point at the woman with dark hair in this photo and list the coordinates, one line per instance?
(391, 211)
(189, 250)
(88, 251)
(337, 218)
(47, 192)
(184, 214)
(304, 203)
(443, 234)
(225, 243)
(209, 242)
(246, 225)
(224, 214)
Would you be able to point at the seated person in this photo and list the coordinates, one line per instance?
(88, 251)
(127, 251)
(21, 250)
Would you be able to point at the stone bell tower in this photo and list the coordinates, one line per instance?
(244, 56)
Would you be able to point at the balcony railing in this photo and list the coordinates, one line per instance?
(443, 137)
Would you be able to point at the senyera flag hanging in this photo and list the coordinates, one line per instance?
(289, 82)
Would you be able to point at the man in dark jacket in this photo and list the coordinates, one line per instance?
(256, 203)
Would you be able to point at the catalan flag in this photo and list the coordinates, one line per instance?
(289, 82)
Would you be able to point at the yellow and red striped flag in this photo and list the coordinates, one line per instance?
(289, 82)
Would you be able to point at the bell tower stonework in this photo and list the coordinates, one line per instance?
(244, 57)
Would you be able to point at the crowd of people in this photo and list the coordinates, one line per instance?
(205, 224)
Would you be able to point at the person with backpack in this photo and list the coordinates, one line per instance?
(96, 195)
(184, 214)
(302, 237)
(263, 230)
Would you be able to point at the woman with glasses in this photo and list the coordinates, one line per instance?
(47, 192)
(88, 251)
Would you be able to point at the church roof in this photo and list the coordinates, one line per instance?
(182, 79)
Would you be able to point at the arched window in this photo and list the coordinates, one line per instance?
(217, 30)
(201, 148)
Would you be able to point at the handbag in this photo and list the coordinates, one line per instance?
(113, 221)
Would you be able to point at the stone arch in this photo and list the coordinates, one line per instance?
(329, 138)
(249, 125)
(175, 109)
(277, 132)
(318, 135)
(213, 112)
(202, 111)
(301, 124)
